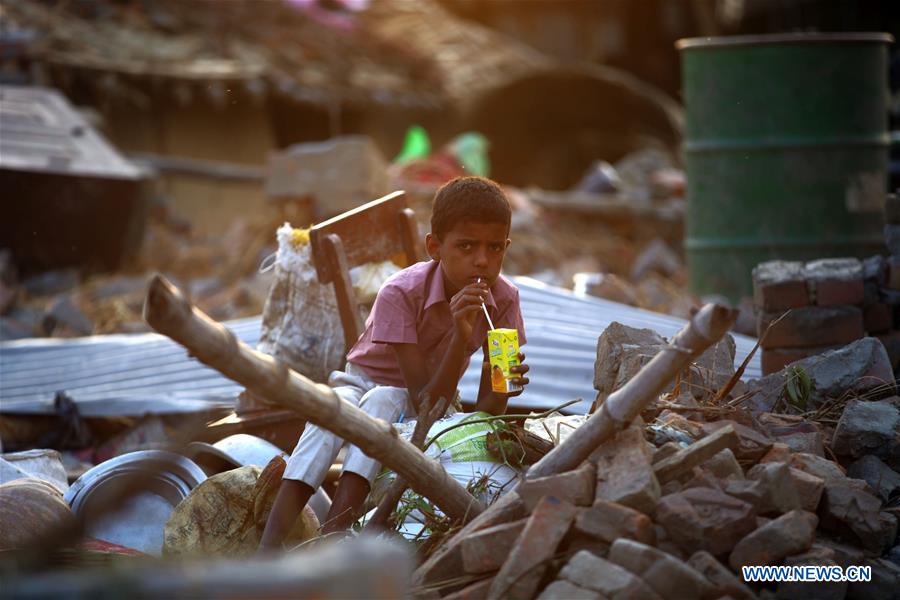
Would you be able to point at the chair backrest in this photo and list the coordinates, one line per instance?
(379, 230)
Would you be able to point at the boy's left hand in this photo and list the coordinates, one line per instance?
(520, 370)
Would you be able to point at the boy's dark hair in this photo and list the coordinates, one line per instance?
(472, 199)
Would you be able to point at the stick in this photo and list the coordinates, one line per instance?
(705, 328)
(168, 312)
(431, 413)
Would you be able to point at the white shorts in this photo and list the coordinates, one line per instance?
(318, 447)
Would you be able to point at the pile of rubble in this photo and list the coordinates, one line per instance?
(677, 503)
(221, 275)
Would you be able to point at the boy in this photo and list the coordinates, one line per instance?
(426, 322)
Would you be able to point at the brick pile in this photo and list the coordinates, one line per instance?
(675, 507)
(806, 309)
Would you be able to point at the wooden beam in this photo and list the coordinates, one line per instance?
(167, 311)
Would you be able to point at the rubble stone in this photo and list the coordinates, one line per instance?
(624, 472)
(835, 281)
(752, 445)
(891, 342)
(525, 566)
(880, 477)
(65, 314)
(665, 574)
(773, 360)
(791, 533)
(884, 585)
(844, 554)
(804, 441)
(475, 591)
(854, 513)
(576, 486)
(823, 468)
(719, 576)
(857, 367)
(779, 492)
(812, 590)
(809, 488)
(779, 285)
(608, 521)
(868, 428)
(686, 459)
(705, 519)
(780, 452)
(485, 550)
(563, 590)
(612, 581)
(616, 342)
(724, 465)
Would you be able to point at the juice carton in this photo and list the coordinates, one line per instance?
(503, 351)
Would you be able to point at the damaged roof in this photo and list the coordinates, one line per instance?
(148, 373)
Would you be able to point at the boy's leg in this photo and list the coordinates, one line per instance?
(292, 497)
(383, 402)
(306, 468)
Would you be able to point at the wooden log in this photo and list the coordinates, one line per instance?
(168, 312)
(706, 328)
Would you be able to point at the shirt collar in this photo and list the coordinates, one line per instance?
(436, 289)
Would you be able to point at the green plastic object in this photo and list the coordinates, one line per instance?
(471, 151)
(786, 151)
(416, 145)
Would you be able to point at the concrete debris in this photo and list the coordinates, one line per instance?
(880, 477)
(855, 369)
(869, 428)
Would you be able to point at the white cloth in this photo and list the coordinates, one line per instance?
(318, 447)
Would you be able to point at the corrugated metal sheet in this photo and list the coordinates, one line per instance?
(120, 374)
(41, 132)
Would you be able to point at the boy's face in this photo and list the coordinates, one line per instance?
(468, 251)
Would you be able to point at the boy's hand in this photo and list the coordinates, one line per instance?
(520, 370)
(465, 306)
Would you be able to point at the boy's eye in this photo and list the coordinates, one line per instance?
(465, 246)
(496, 247)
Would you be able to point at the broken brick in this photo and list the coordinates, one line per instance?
(779, 285)
(485, 550)
(752, 445)
(576, 486)
(609, 579)
(683, 461)
(665, 574)
(525, 566)
(563, 590)
(779, 492)
(624, 472)
(608, 521)
(851, 512)
(791, 533)
(705, 519)
(719, 576)
(835, 281)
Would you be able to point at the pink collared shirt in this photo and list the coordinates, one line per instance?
(411, 308)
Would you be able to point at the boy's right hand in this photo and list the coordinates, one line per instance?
(465, 306)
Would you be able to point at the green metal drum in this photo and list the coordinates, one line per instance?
(785, 150)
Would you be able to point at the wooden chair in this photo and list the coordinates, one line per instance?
(380, 230)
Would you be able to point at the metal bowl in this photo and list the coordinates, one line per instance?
(128, 499)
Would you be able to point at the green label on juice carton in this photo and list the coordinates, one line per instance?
(503, 350)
